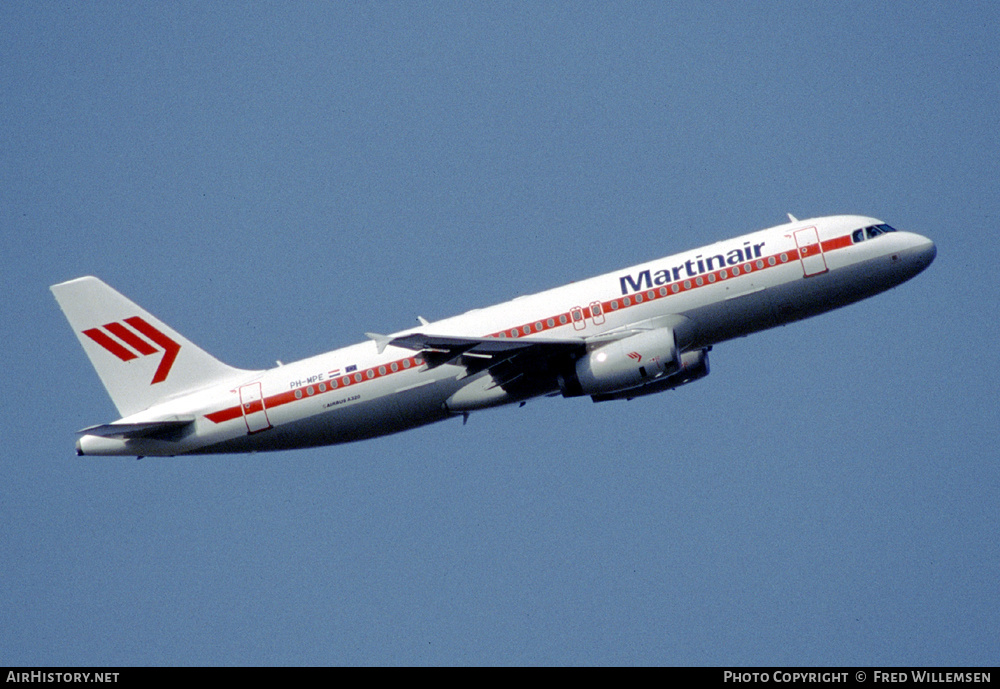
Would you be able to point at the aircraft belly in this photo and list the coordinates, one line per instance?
(424, 404)
(734, 317)
(794, 300)
(840, 287)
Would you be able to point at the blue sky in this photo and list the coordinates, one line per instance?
(273, 180)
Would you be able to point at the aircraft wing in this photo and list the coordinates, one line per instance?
(448, 349)
(520, 365)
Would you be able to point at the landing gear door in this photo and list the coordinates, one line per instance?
(810, 252)
(252, 404)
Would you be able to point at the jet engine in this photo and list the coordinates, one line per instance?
(623, 364)
(694, 366)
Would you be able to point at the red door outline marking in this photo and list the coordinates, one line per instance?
(596, 312)
(810, 252)
(254, 411)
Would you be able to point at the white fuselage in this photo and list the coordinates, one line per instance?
(706, 296)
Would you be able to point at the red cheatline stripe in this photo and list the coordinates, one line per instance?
(170, 348)
(224, 415)
(100, 338)
(837, 243)
(339, 383)
(564, 319)
(130, 338)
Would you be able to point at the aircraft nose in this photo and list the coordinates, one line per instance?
(919, 252)
(925, 252)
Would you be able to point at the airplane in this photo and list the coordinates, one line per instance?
(625, 334)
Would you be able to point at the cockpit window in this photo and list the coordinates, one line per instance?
(872, 232)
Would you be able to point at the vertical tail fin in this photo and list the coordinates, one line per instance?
(139, 359)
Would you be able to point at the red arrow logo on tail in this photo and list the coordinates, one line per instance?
(143, 347)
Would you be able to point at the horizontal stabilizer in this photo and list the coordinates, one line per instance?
(149, 429)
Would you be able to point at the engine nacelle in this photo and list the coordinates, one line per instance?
(694, 366)
(623, 364)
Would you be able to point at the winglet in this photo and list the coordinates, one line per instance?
(381, 341)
